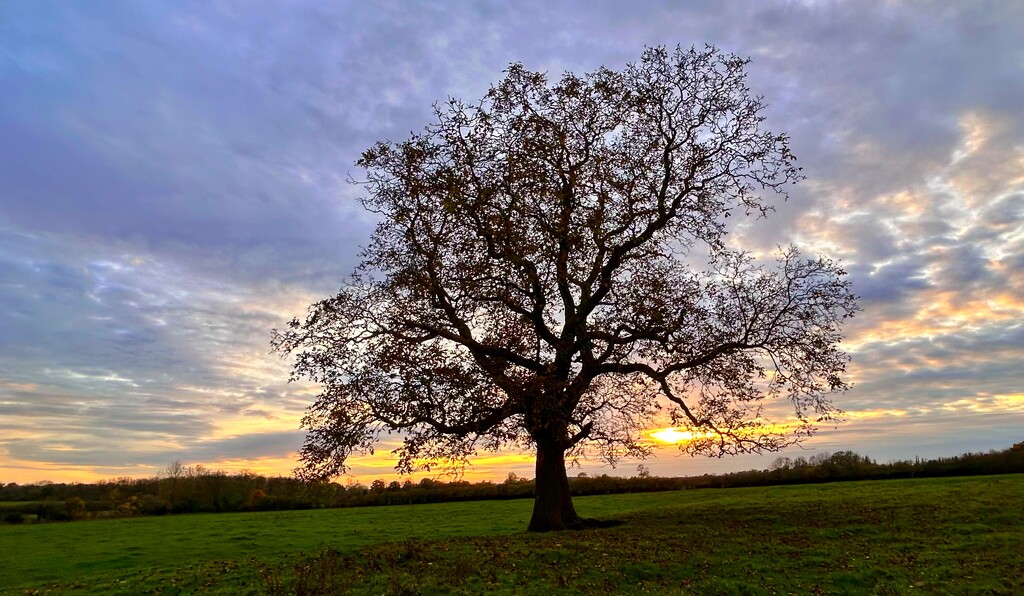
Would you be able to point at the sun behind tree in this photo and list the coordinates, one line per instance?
(529, 284)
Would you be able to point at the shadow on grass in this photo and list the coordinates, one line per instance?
(590, 522)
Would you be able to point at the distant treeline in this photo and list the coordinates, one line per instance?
(191, 489)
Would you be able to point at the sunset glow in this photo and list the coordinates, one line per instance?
(672, 436)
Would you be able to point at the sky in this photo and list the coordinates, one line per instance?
(174, 184)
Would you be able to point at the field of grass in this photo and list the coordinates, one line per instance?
(959, 535)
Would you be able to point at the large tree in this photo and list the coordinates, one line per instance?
(550, 272)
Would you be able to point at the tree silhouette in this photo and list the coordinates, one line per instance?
(550, 272)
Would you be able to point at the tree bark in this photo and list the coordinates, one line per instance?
(552, 505)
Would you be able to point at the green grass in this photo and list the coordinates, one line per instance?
(959, 535)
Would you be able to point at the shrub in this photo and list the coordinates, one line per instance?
(74, 507)
(153, 505)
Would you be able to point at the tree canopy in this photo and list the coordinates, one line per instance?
(550, 270)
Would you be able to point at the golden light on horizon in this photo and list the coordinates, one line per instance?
(672, 435)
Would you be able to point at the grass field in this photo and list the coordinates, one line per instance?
(958, 535)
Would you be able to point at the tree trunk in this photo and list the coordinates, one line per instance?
(552, 505)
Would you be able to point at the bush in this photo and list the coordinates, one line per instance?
(74, 507)
(153, 505)
(52, 513)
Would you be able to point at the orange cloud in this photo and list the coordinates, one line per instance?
(27, 472)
